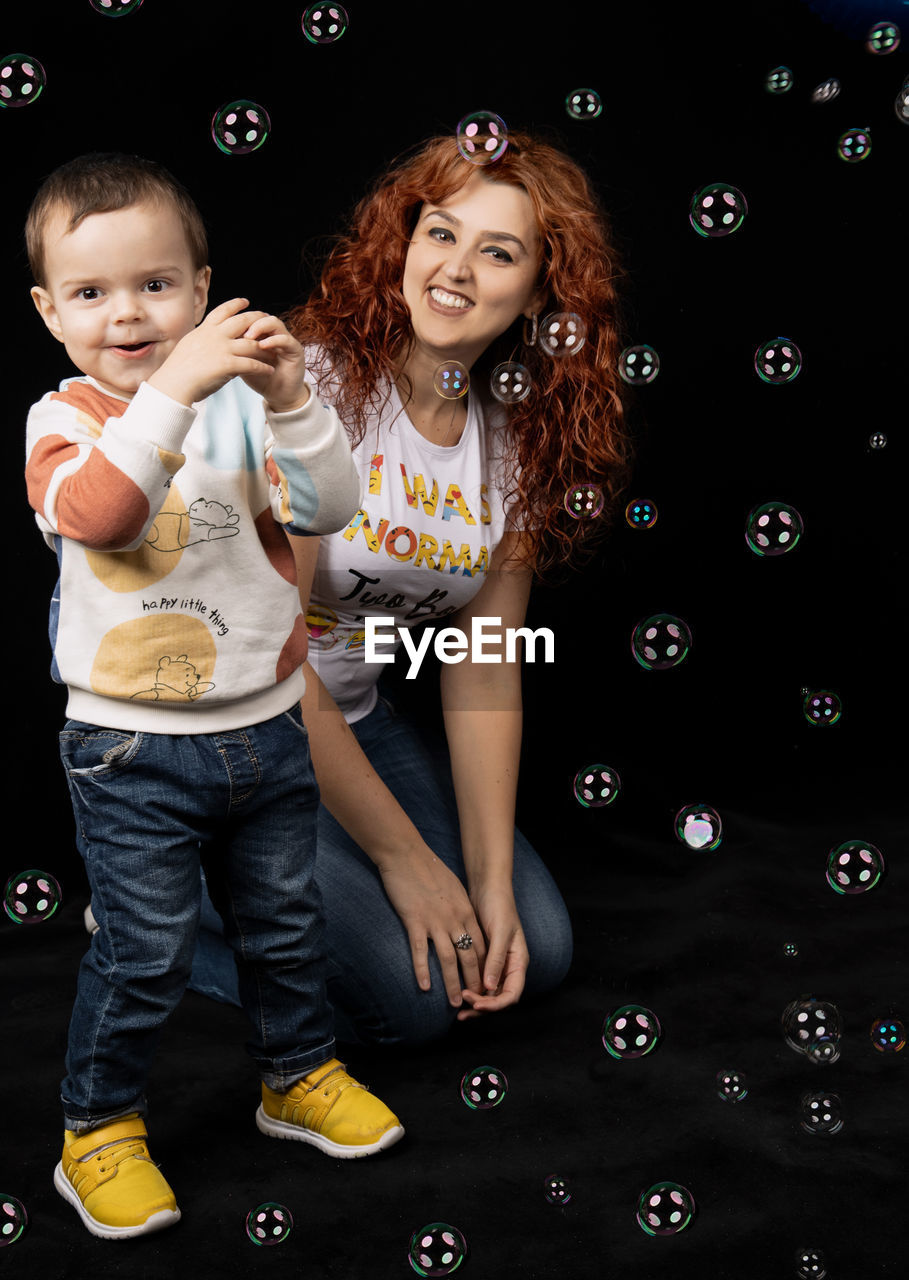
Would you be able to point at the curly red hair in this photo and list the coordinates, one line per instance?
(570, 429)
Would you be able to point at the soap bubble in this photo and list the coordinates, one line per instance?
(790, 948)
(116, 8)
(631, 1032)
(779, 80)
(827, 91)
(878, 440)
(31, 896)
(482, 137)
(854, 145)
(717, 210)
(810, 1265)
(583, 104)
(324, 23)
(813, 1027)
(555, 1189)
(888, 1035)
(731, 1085)
(660, 642)
(596, 786)
(437, 1249)
(884, 37)
(21, 80)
(483, 1088)
(240, 127)
(639, 365)
(562, 333)
(584, 501)
(13, 1219)
(270, 1223)
(777, 361)
(822, 707)
(855, 866)
(699, 826)
(641, 513)
(451, 380)
(821, 1113)
(773, 528)
(901, 105)
(509, 382)
(665, 1209)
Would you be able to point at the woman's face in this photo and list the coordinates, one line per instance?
(471, 269)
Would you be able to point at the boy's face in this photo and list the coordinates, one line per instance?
(120, 291)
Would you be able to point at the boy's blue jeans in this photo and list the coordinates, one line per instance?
(149, 808)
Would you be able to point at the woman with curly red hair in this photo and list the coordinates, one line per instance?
(448, 269)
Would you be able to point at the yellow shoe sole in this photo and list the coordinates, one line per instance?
(297, 1133)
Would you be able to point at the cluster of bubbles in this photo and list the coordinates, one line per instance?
(483, 1088)
(31, 897)
(116, 8)
(855, 866)
(596, 785)
(660, 642)
(451, 380)
(731, 1085)
(821, 706)
(814, 1028)
(820, 1113)
(324, 23)
(717, 210)
(773, 528)
(437, 1249)
(482, 137)
(241, 127)
(584, 501)
(509, 382)
(777, 361)
(631, 1031)
(13, 1219)
(854, 145)
(641, 513)
(21, 80)
(269, 1223)
(665, 1209)
(639, 365)
(583, 104)
(555, 1189)
(699, 826)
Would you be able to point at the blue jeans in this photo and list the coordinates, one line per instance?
(371, 982)
(151, 808)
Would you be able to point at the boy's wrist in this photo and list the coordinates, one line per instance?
(292, 406)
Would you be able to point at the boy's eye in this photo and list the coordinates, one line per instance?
(156, 286)
(88, 294)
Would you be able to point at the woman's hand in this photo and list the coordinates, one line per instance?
(507, 956)
(433, 904)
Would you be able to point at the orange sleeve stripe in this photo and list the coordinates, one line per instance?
(88, 499)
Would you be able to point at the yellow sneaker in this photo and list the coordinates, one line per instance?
(329, 1109)
(111, 1181)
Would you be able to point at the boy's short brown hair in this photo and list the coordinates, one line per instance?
(102, 182)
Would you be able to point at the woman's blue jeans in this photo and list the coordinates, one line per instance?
(150, 808)
(371, 982)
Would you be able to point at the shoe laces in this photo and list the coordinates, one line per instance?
(342, 1081)
(114, 1153)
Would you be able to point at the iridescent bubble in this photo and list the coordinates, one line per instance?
(813, 1027)
(437, 1249)
(641, 513)
(583, 104)
(639, 365)
(822, 707)
(13, 1219)
(584, 501)
(324, 23)
(631, 1032)
(665, 1209)
(810, 1265)
(270, 1223)
(509, 382)
(779, 80)
(901, 105)
(596, 785)
(717, 210)
(240, 127)
(483, 1088)
(31, 897)
(699, 826)
(826, 91)
(878, 440)
(660, 642)
(21, 80)
(821, 1113)
(482, 137)
(731, 1085)
(451, 380)
(854, 145)
(777, 361)
(562, 334)
(790, 948)
(884, 37)
(555, 1189)
(888, 1035)
(116, 8)
(773, 528)
(855, 866)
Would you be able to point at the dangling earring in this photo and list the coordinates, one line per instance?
(534, 330)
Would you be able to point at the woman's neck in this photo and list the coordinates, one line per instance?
(437, 418)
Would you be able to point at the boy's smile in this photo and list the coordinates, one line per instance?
(120, 291)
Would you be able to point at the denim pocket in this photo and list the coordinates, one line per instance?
(91, 749)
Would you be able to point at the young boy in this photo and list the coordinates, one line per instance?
(166, 479)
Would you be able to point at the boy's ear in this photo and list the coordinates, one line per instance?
(200, 292)
(47, 311)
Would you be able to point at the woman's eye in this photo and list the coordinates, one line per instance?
(441, 233)
(500, 255)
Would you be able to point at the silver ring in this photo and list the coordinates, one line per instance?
(464, 943)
